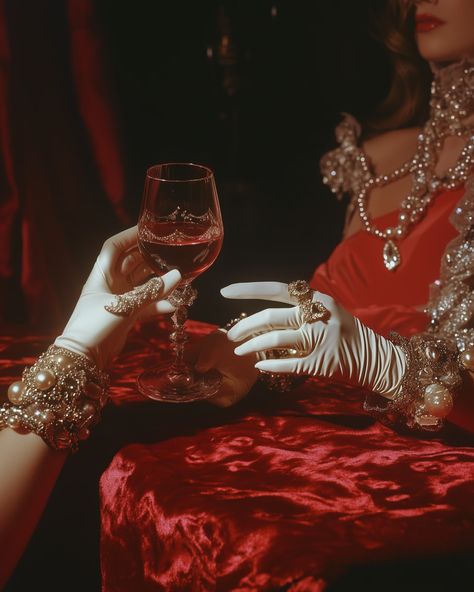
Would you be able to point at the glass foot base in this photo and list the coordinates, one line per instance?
(161, 384)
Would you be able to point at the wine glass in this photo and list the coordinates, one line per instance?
(180, 227)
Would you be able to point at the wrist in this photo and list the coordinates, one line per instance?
(77, 347)
(73, 345)
(59, 398)
(383, 363)
(392, 371)
(432, 379)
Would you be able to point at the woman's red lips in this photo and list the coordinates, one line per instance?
(427, 22)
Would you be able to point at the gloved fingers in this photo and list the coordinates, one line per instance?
(115, 247)
(131, 260)
(120, 242)
(134, 301)
(283, 365)
(264, 321)
(327, 301)
(130, 270)
(275, 291)
(170, 281)
(155, 309)
(273, 340)
(139, 274)
(109, 265)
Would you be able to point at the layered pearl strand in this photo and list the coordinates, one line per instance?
(59, 397)
(452, 100)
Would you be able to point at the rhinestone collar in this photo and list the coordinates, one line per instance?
(452, 100)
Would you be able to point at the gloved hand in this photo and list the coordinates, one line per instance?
(99, 334)
(340, 347)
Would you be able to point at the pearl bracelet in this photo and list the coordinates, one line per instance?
(59, 398)
(430, 384)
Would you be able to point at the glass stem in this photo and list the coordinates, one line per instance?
(180, 373)
(178, 339)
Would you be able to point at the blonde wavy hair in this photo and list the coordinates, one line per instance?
(407, 102)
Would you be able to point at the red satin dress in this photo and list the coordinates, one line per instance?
(290, 491)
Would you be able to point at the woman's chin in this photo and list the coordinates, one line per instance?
(431, 52)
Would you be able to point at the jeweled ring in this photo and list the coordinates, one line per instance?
(300, 289)
(310, 311)
(128, 303)
(314, 311)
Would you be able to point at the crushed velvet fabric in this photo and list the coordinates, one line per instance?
(287, 492)
(297, 490)
(283, 492)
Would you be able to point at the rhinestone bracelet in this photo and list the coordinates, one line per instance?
(430, 384)
(59, 398)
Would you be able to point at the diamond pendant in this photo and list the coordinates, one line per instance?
(391, 255)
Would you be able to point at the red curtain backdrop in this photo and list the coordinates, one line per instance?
(9, 201)
(62, 184)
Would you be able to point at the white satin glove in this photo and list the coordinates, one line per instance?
(97, 333)
(341, 348)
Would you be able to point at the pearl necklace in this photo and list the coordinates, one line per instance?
(452, 100)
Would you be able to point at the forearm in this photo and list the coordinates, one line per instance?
(28, 471)
(60, 397)
(48, 412)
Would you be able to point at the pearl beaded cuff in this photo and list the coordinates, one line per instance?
(430, 383)
(59, 398)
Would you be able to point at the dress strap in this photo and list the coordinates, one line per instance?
(341, 168)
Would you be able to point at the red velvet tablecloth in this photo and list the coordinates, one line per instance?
(282, 492)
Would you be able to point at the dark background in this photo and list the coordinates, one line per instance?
(260, 113)
(251, 88)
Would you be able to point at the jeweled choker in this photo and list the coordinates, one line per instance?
(452, 100)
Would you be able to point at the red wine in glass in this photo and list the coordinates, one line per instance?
(180, 227)
(191, 247)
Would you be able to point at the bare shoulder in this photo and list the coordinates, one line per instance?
(391, 149)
